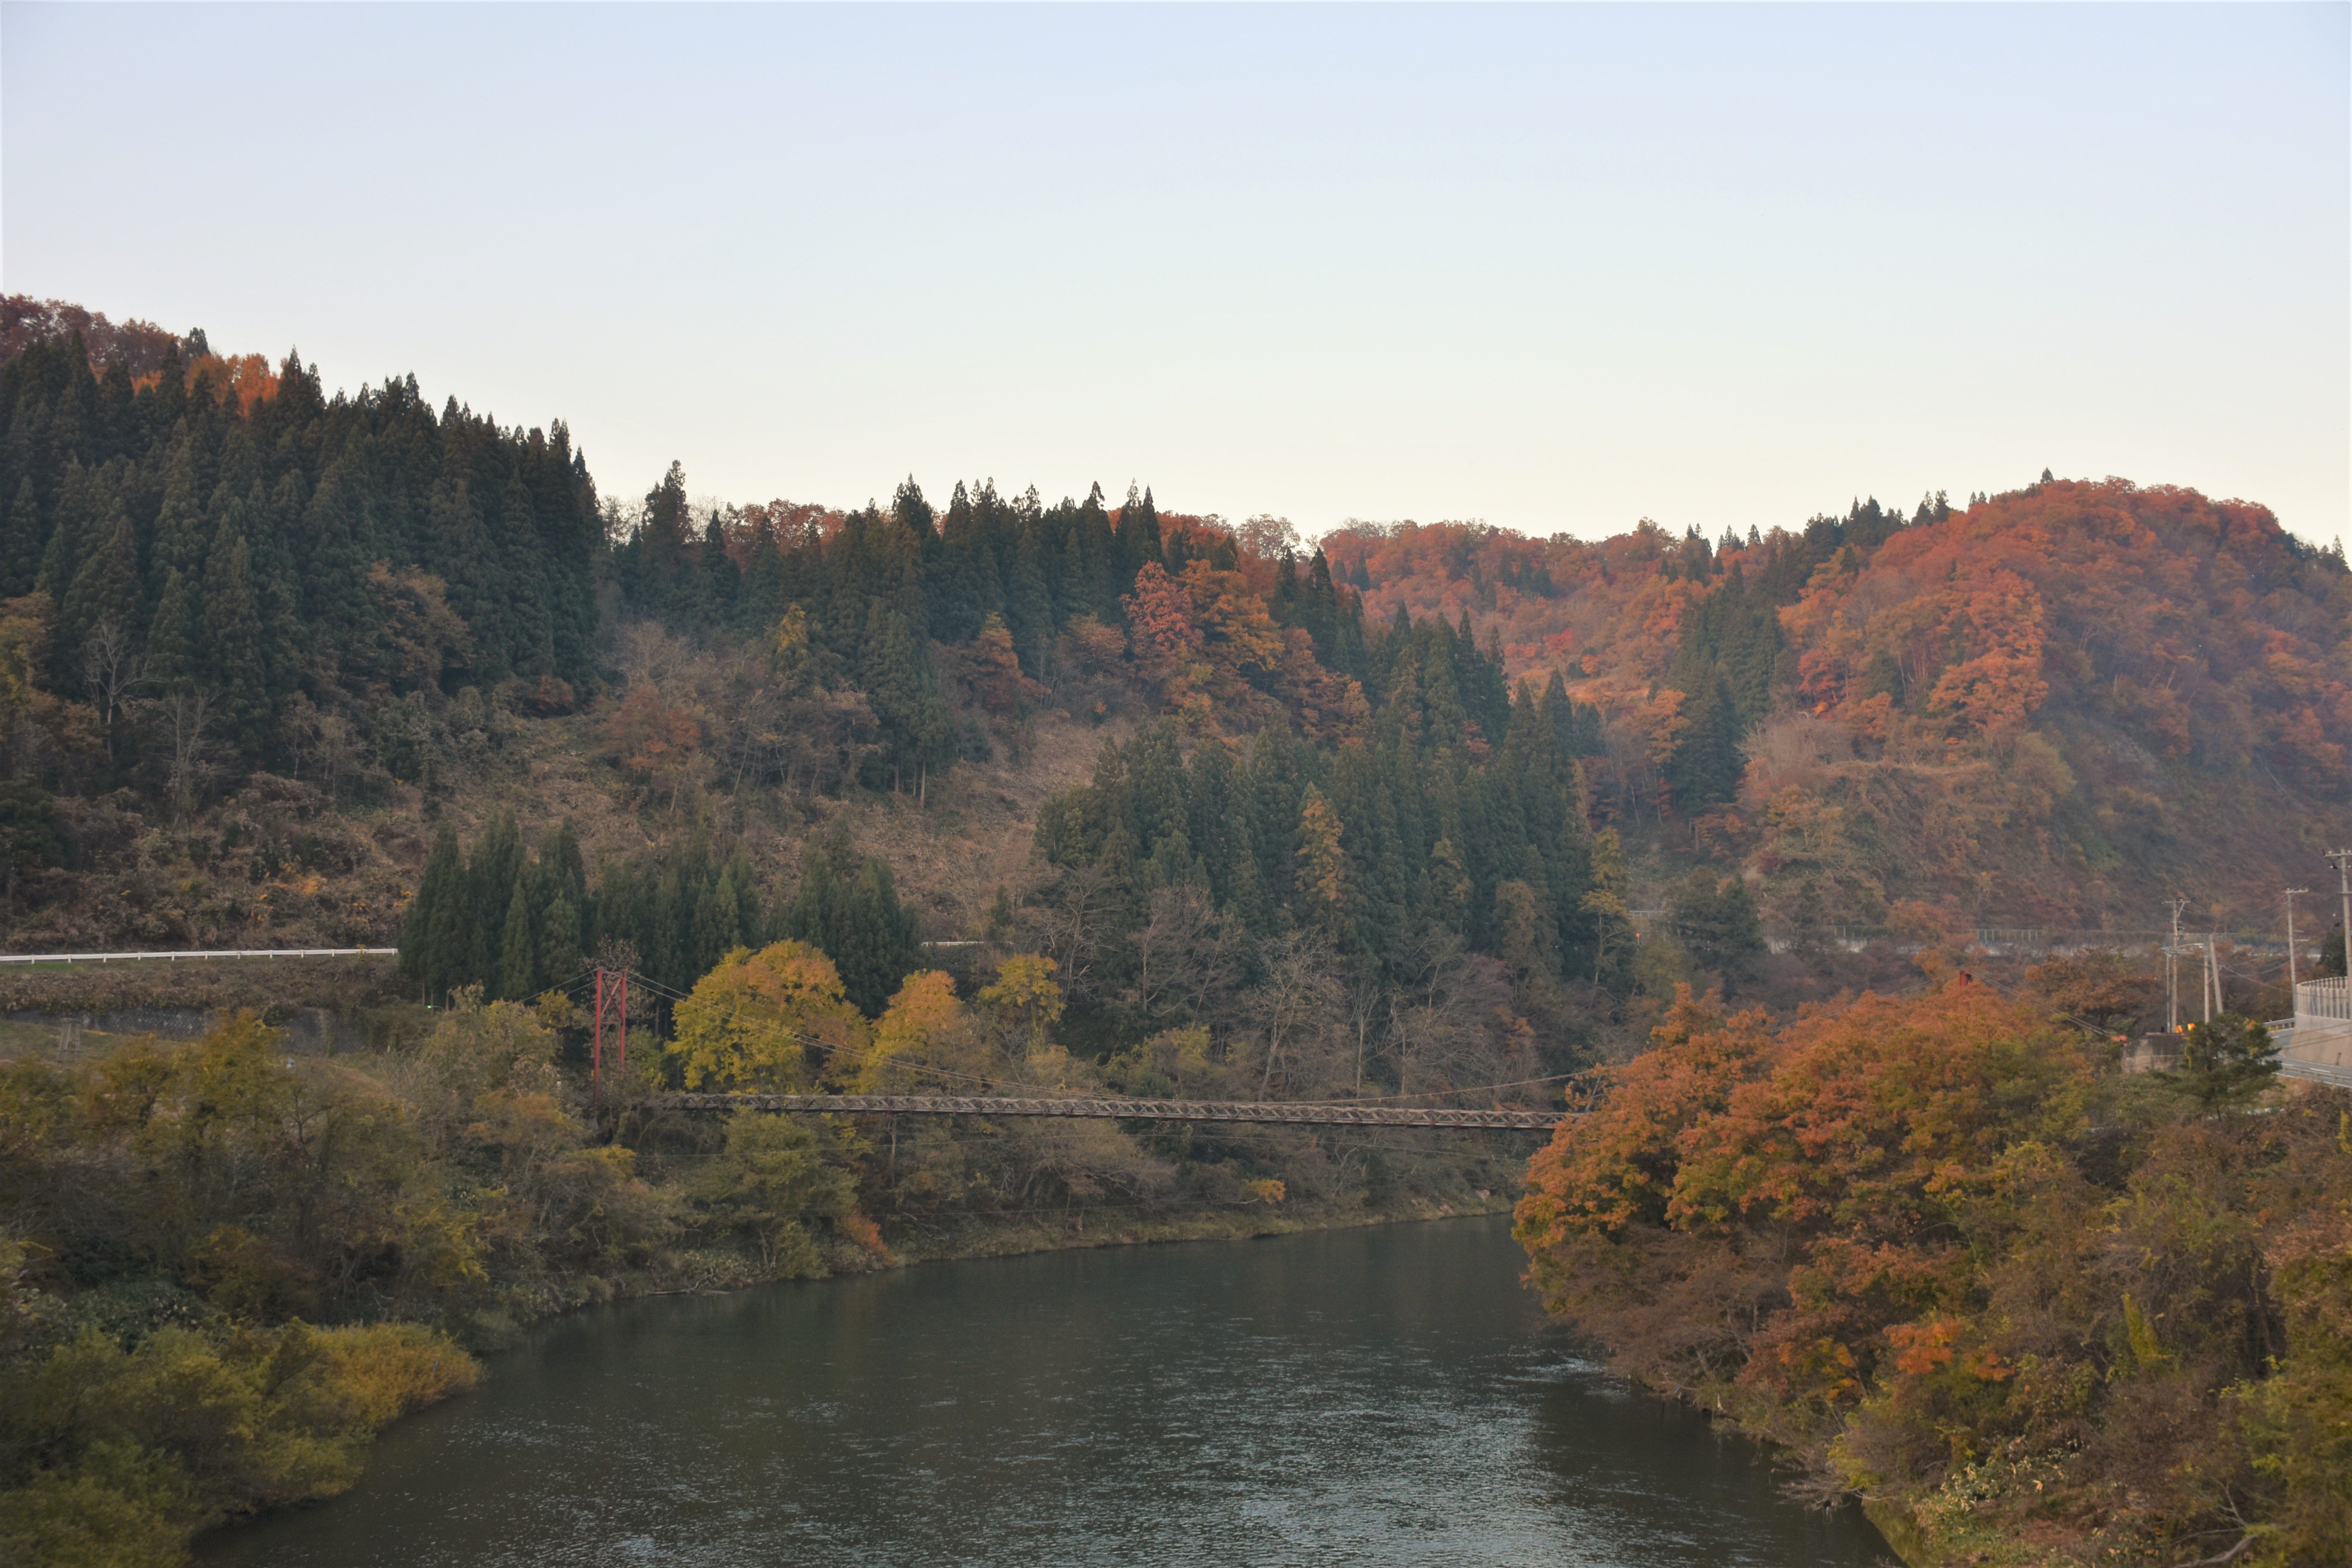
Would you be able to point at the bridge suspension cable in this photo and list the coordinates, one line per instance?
(1278, 1112)
(1375, 1110)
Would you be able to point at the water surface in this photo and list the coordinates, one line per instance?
(1380, 1396)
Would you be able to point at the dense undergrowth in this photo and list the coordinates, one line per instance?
(225, 1267)
(2032, 1310)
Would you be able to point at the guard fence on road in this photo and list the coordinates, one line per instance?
(174, 956)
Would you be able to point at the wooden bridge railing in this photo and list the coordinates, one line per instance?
(1272, 1112)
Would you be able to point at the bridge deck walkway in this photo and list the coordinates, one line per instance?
(1269, 1112)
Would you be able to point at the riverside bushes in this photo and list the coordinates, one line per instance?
(179, 1216)
(116, 1451)
(278, 1187)
(2031, 1311)
(222, 1269)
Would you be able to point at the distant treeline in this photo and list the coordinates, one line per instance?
(876, 586)
(517, 925)
(201, 556)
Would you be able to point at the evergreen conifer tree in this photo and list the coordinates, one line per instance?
(1029, 604)
(1138, 535)
(490, 878)
(1449, 886)
(20, 543)
(1218, 828)
(521, 975)
(559, 852)
(851, 910)
(524, 624)
(234, 661)
(1716, 920)
(560, 954)
(1705, 767)
(181, 530)
(171, 635)
(460, 554)
(712, 933)
(897, 678)
(1077, 594)
(1276, 783)
(334, 578)
(107, 588)
(745, 921)
(433, 947)
(912, 513)
(663, 539)
(71, 531)
(722, 580)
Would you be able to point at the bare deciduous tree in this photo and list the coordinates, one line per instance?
(112, 671)
(1184, 954)
(1296, 1005)
(1066, 920)
(325, 741)
(1367, 1010)
(186, 717)
(1451, 1022)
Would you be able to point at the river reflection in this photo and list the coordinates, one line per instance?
(1388, 1395)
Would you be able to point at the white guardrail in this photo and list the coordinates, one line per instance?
(2316, 1072)
(197, 953)
(2282, 1037)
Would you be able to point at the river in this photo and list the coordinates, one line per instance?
(1380, 1397)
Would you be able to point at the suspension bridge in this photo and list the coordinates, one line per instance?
(1286, 1114)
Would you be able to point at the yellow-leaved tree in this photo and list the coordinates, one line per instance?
(923, 1034)
(768, 1020)
(1026, 1001)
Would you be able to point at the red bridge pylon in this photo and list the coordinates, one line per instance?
(612, 989)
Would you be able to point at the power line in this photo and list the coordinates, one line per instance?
(780, 1031)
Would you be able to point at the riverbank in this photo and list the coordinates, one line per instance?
(2033, 1312)
(188, 1224)
(1385, 1395)
(710, 1271)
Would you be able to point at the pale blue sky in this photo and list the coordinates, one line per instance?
(1557, 268)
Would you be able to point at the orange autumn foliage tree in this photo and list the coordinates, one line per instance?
(1205, 640)
(1165, 637)
(2130, 685)
(924, 1036)
(996, 678)
(1849, 1142)
(650, 739)
(2022, 1304)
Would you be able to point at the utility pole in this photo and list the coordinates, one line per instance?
(2213, 975)
(2343, 858)
(2292, 894)
(2172, 972)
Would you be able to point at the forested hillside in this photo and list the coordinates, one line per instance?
(267, 637)
(2144, 690)
(1421, 812)
(210, 571)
